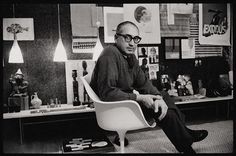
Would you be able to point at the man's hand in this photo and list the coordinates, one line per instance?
(148, 100)
(160, 104)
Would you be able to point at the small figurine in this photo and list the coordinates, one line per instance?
(75, 88)
(184, 85)
(19, 86)
(165, 82)
(188, 85)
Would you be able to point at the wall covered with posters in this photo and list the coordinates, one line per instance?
(49, 78)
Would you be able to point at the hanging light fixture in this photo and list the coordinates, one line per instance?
(97, 50)
(15, 55)
(60, 52)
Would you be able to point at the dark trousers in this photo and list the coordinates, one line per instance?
(173, 124)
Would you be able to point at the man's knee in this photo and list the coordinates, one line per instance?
(171, 113)
(170, 116)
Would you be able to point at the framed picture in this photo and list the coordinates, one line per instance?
(112, 17)
(214, 24)
(147, 18)
(24, 25)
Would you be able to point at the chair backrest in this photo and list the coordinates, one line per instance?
(86, 80)
(118, 115)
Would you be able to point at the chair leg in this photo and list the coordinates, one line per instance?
(122, 138)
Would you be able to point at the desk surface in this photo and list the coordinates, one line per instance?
(44, 111)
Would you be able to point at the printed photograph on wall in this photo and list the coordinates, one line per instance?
(153, 55)
(112, 17)
(214, 24)
(147, 18)
(24, 27)
(153, 69)
(143, 63)
(142, 51)
(81, 68)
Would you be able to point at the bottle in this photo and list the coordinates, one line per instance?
(35, 101)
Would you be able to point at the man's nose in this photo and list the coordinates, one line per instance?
(132, 42)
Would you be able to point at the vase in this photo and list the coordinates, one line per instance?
(35, 101)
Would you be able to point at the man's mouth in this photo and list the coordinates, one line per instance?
(130, 49)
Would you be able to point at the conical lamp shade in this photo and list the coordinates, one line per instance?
(15, 55)
(97, 50)
(60, 53)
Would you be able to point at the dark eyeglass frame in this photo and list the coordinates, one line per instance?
(128, 38)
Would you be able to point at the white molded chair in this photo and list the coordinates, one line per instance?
(119, 116)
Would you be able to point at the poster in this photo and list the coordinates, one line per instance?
(147, 18)
(214, 24)
(112, 17)
(25, 27)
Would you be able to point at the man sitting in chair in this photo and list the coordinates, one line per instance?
(118, 76)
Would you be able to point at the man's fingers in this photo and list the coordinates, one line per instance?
(157, 97)
(163, 114)
(156, 106)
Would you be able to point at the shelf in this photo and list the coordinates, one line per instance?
(44, 111)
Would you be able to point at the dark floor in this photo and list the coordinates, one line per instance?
(48, 137)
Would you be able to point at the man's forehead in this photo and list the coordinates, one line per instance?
(128, 27)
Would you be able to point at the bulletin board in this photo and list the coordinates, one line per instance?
(148, 57)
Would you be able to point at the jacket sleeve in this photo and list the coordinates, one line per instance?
(107, 79)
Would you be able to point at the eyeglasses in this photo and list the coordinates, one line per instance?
(128, 38)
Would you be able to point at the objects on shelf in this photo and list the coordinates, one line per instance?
(184, 85)
(18, 98)
(35, 101)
